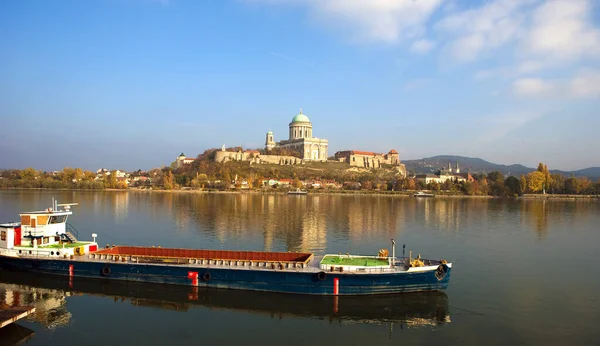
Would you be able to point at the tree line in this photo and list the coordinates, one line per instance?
(205, 173)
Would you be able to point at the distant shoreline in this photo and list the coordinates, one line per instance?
(325, 192)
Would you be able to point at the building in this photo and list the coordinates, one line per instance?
(301, 140)
(442, 175)
(368, 159)
(181, 160)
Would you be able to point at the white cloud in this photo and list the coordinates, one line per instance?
(530, 37)
(562, 30)
(370, 20)
(422, 46)
(533, 87)
(511, 71)
(476, 31)
(585, 84)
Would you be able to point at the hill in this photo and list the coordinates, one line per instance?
(477, 165)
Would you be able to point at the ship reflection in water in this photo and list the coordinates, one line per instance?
(49, 293)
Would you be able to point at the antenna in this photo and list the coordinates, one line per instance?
(67, 206)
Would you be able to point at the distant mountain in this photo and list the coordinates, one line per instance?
(591, 172)
(477, 165)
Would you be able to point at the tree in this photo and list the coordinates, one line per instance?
(484, 187)
(513, 186)
(542, 168)
(471, 188)
(168, 180)
(434, 185)
(29, 174)
(110, 180)
(557, 183)
(496, 182)
(535, 181)
(572, 186)
(411, 184)
(522, 185)
(297, 183)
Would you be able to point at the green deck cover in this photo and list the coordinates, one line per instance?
(354, 261)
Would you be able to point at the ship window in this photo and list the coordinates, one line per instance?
(58, 218)
(3, 235)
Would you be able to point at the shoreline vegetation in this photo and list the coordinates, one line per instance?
(204, 175)
(401, 194)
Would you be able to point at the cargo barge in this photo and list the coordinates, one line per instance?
(43, 242)
(412, 309)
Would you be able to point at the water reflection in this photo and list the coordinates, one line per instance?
(313, 223)
(49, 295)
(49, 303)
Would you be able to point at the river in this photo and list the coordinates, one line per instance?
(524, 271)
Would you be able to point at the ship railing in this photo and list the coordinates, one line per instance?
(72, 229)
(200, 261)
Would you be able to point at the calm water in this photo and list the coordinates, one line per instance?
(525, 272)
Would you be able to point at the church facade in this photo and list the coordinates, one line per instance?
(301, 140)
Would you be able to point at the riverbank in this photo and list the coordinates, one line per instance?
(560, 197)
(323, 192)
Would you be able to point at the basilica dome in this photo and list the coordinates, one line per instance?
(301, 118)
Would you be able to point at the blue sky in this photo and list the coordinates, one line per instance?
(130, 84)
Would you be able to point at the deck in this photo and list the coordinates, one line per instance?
(10, 315)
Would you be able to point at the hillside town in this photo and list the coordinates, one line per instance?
(301, 162)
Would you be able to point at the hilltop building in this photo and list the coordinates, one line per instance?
(301, 140)
(181, 160)
(367, 159)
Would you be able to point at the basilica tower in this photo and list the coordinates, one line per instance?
(270, 141)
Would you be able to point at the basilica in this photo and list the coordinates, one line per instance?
(301, 140)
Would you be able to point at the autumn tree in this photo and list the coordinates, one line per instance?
(297, 183)
(29, 174)
(535, 181)
(542, 168)
(484, 187)
(434, 186)
(168, 180)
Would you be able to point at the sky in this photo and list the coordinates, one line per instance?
(130, 84)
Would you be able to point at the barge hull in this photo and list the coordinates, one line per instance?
(283, 281)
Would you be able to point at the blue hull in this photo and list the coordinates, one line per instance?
(242, 279)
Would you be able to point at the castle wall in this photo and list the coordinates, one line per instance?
(225, 156)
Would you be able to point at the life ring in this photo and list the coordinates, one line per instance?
(321, 276)
(206, 276)
(105, 270)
